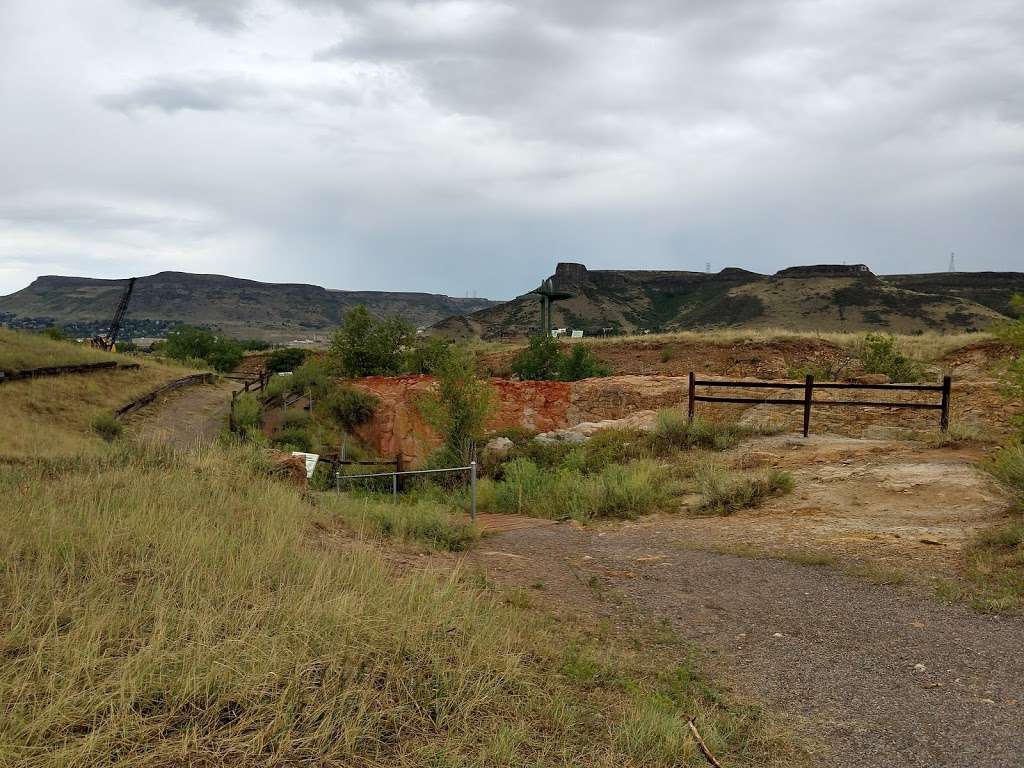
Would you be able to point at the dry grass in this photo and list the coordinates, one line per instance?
(925, 347)
(169, 609)
(30, 350)
(53, 416)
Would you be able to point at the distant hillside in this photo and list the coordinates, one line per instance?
(242, 308)
(823, 297)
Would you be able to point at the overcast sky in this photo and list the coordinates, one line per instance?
(468, 146)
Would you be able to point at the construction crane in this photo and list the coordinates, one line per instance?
(108, 341)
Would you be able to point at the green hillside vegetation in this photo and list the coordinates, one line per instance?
(20, 350)
(826, 298)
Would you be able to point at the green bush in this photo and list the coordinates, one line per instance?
(313, 377)
(107, 427)
(294, 438)
(460, 406)
(246, 411)
(1008, 467)
(581, 363)
(878, 354)
(427, 355)
(349, 407)
(540, 361)
(725, 492)
(286, 359)
(543, 360)
(366, 346)
(188, 343)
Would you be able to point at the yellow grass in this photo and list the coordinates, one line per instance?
(51, 416)
(925, 347)
(168, 609)
(29, 350)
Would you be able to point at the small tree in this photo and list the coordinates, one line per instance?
(460, 406)
(540, 361)
(365, 346)
(427, 354)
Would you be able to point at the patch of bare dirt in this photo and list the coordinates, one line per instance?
(893, 501)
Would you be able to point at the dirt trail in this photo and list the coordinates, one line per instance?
(185, 418)
(813, 642)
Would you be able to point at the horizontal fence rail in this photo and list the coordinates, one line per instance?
(471, 468)
(64, 370)
(149, 397)
(808, 402)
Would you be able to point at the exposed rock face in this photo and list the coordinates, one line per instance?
(397, 427)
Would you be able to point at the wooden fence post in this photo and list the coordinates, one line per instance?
(808, 390)
(690, 402)
(947, 385)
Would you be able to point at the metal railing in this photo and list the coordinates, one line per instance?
(471, 468)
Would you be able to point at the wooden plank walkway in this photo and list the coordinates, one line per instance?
(497, 523)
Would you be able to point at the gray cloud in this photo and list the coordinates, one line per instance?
(469, 145)
(227, 16)
(173, 94)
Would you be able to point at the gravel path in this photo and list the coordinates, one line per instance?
(885, 677)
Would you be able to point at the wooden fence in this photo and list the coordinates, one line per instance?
(808, 402)
(64, 370)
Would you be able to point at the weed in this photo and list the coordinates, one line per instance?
(349, 407)
(724, 492)
(246, 411)
(879, 354)
(878, 573)
(106, 426)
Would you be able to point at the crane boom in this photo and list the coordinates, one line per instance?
(107, 342)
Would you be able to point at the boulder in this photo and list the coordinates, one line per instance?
(498, 448)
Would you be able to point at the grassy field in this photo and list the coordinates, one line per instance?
(24, 350)
(164, 608)
(168, 609)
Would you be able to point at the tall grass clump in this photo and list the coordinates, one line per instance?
(674, 431)
(106, 426)
(169, 609)
(246, 411)
(724, 492)
(624, 491)
(426, 522)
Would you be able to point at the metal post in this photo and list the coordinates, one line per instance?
(394, 487)
(947, 386)
(472, 490)
(690, 400)
(808, 389)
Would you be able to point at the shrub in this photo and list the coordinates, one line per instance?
(246, 411)
(540, 361)
(460, 406)
(581, 363)
(674, 431)
(724, 492)
(107, 427)
(366, 346)
(878, 353)
(313, 377)
(429, 523)
(286, 359)
(543, 360)
(350, 407)
(427, 354)
(293, 438)
(188, 343)
(55, 333)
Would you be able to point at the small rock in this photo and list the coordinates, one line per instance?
(929, 540)
(499, 447)
(920, 668)
(872, 378)
(778, 634)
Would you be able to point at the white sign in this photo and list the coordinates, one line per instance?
(577, 334)
(311, 460)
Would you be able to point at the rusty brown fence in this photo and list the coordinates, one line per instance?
(808, 402)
